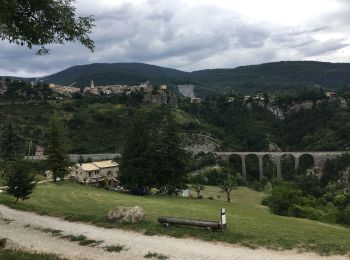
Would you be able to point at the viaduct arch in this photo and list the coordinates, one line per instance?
(319, 159)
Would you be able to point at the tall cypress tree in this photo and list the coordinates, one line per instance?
(10, 148)
(135, 168)
(172, 157)
(58, 160)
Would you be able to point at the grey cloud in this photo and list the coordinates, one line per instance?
(317, 48)
(179, 35)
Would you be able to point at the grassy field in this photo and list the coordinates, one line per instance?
(19, 255)
(249, 223)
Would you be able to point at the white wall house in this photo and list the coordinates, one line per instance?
(96, 172)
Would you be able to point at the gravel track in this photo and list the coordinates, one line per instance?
(14, 226)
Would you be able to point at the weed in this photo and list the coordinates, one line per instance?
(54, 232)
(115, 248)
(90, 242)
(74, 238)
(156, 256)
(7, 220)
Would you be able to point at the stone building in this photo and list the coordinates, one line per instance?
(96, 173)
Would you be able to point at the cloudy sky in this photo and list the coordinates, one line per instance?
(197, 34)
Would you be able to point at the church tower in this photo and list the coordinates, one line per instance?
(92, 84)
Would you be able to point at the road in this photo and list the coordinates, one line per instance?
(24, 229)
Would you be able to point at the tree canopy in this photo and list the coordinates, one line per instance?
(20, 180)
(43, 22)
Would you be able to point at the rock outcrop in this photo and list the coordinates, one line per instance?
(127, 214)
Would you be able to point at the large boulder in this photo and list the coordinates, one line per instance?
(127, 214)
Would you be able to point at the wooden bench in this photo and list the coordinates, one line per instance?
(211, 225)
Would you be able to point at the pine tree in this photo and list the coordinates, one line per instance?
(172, 157)
(10, 147)
(58, 160)
(20, 180)
(10, 143)
(135, 167)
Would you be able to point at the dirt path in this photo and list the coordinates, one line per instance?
(14, 226)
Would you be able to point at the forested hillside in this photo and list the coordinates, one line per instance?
(252, 127)
(99, 124)
(280, 77)
(116, 73)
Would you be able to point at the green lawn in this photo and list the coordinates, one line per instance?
(20, 255)
(249, 223)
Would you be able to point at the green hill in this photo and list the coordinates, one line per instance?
(285, 76)
(116, 73)
(278, 76)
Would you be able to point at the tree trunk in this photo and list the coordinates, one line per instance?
(16, 199)
(198, 192)
(228, 196)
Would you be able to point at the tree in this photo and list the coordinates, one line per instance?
(20, 180)
(10, 143)
(172, 157)
(283, 197)
(135, 167)
(227, 183)
(58, 160)
(10, 147)
(40, 23)
(197, 181)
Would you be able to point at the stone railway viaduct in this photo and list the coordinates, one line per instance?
(319, 159)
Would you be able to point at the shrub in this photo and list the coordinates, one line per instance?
(283, 197)
(305, 212)
(343, 216)
(212, 176)
(265, 201)
(342, 200)
(255, 185)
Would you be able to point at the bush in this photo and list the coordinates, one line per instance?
(342, 200)
(343, 216)
(305, 212)
(283, 197)
(265, 201)
(255, 185)
(212, 176)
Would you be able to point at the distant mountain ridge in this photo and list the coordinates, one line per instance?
(276, 76)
